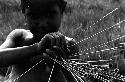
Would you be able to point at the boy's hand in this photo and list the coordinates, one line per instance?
(53, 39)
(56, 53)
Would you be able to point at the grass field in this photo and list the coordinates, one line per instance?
(82, 19)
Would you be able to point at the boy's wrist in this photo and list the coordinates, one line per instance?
(38, 48)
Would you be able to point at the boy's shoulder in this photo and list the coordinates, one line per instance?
(12, 38)
(19, 32)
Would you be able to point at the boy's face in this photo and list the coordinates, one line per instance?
(43, 19)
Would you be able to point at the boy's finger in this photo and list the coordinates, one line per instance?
(57, 39)
(52, 39)
(65, 45)
(46, 56)
(59, 52)
(51, 53)
(48, 41)
(60, 37)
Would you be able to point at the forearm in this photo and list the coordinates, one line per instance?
(10, 56)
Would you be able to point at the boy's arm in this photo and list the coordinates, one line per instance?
(10, 54)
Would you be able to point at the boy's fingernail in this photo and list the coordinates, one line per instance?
(54, 46)
(47, 50)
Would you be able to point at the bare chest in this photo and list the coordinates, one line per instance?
(38, 73)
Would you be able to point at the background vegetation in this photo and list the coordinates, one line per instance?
(82, 19)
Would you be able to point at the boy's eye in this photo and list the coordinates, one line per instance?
(47, 14)
(33, 16)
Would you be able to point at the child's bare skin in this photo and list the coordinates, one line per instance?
(24, 48)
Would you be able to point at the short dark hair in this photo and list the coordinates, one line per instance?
(61, 3)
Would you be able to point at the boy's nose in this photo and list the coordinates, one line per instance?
(43, 23)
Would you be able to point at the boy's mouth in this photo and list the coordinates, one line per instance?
(47, 29)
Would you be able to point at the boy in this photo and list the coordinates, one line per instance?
(24, 48)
